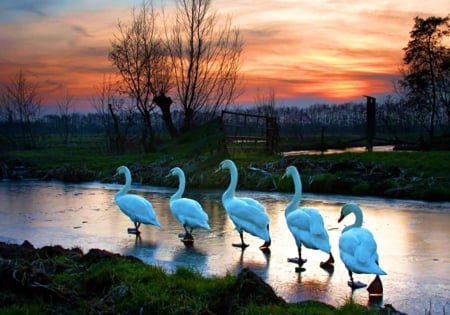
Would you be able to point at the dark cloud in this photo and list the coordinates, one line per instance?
(80, 30)
(22, 9)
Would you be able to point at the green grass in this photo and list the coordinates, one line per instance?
(112, 284)
(420, 163)
(421, 175)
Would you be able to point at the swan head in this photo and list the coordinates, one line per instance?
(121, 170)
(226, 164)
(290, 171)
(175, 171)
(347, 209)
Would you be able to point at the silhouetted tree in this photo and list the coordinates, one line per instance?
(266, 102)
(106, 103)
(64, 107)
(426, 70)
(22, 102)
(205, 53)
(133, 53)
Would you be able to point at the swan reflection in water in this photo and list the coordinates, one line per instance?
(308, 287)
(142, 248)
(259, 265)
(190, 257)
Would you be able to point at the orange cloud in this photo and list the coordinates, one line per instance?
(325, 49)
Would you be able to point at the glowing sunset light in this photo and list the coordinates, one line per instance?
(306, 51)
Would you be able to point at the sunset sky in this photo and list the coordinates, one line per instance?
(306, 51)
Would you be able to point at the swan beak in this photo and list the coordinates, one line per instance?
(341, 218)
(218, 170)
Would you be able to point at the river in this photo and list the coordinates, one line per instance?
(412, 237)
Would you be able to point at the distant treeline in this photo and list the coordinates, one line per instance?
(392, 120)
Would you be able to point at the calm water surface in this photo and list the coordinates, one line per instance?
(412, 237)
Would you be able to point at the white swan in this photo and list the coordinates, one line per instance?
(306, 224)
(136, 207)
(358, 250)
(247, 214)
(188, 212)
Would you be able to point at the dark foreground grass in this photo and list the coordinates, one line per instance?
(53, 280)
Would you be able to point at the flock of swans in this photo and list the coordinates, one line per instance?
(357, 246)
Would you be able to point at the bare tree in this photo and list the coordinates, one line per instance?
(22, 103)
(64, 107)
(133, 52)
(101, 100)
(104, 93)
(205, 53)
(266, 102)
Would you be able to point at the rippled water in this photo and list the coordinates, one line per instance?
(412, 237)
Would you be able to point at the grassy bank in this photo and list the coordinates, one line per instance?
(423, 175)
(410, 175)
(54, 280)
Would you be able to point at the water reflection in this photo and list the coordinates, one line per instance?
(412, 239)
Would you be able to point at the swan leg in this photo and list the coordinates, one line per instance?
(329, 263)
(242, 244)
(186, 233)
(354, 285)
(351, 283)
(135, 230)
(188, 236)
(266, 245)
(298, 260)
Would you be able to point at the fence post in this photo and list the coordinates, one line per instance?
(370, 121)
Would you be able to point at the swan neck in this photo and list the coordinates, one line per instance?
(181, 186)
(127, 185)
(293, 205)
(358, 220)
(229, 193)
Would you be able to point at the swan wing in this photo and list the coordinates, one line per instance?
(298, 220)
(301, 225)
(298, 223)
(349, 242)
(248, 218)
(190, 212)
(317, 226)
(138, 209)
(252, 202)
(358, 251)
(245, 212)
(367, 249)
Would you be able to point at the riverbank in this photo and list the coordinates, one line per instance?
(55, 280)
(406, 175)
